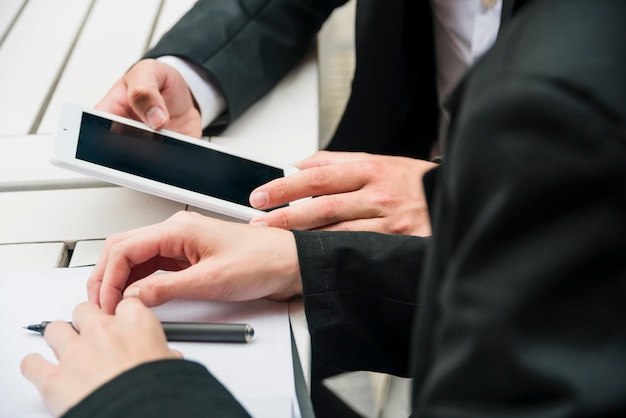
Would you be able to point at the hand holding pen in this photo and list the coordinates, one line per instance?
(106, 346)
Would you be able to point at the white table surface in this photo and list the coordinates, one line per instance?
(59, 51)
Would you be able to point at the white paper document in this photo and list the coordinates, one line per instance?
(259, 374)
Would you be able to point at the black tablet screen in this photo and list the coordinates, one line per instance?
(170, 161)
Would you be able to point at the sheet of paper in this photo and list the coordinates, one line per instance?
(259, 374)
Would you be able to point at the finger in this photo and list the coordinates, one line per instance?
(144, 83)
(161, 241)
(94, 282)
(383, 225)
(317, 181)
(159, 288)
(116, 101)
(84, 314)
(135, 314)
(320, 212)
(322, 158)
(195, 282)
(177, 354)
(37, 370)
(370, 225)
(59, 336)
(132, 308)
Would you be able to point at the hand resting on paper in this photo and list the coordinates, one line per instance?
(209, 259)
(107, 346)
(355, 191)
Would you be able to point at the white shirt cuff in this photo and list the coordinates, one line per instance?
(208, 97)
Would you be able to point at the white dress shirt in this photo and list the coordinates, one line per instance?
(464, 30)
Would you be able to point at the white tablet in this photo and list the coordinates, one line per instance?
(164, 163)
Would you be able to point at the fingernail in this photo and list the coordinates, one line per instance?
(156, 117)
(259, 199)
(131, 292)
(257, 222)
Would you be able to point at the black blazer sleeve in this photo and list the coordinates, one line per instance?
(360, 291)
(166, 388)
(246, 46)
(523, 307)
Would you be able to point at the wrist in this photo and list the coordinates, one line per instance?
(285, 265)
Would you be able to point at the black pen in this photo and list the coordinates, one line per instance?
(191, 331)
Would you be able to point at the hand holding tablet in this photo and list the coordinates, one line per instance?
(164, 163)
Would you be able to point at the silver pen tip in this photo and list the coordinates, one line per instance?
(249, 333)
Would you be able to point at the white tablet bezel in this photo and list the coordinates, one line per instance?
(64, 155)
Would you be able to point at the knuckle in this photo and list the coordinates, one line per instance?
(280, 191)
(93, 284)
(318, 179)
(140, 94)
(148, 63)
(117, 253)
(114, 238)
(398, 226)
(323, 153)
(407, 223)
(282, 219)
(181, 216)
(343, 227)
(385, 199)
(155, 294)
(185, 219)
(370, 167)
(98, 322)
(327, 210)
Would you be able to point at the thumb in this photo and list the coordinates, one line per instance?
(159, 288)
(156, 118)
(147, 103)
(144, 83)
(37, 370)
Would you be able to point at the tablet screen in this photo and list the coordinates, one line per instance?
(170, 161)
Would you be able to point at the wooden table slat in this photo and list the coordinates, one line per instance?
(86, 253)
(9, 10)
(115, 36)
(25, 165)
(33, 256)
(72, 215)
(31, 58)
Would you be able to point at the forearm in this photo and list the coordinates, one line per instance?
(162, 388)
(360, 292)
(245, 46)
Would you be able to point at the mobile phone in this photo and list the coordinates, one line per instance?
(163, 163)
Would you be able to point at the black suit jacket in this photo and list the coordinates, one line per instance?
(520, 311)
(522, 307)
(248, 46)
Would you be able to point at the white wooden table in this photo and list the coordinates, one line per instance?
(56, 51)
